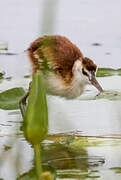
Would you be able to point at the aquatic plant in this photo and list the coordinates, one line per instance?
(35, 123)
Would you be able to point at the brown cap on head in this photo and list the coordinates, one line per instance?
(89, 66)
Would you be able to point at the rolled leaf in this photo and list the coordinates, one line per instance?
(36, 117)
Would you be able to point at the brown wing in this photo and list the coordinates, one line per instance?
(56, 51)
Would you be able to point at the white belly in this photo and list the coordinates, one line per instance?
(55, 86)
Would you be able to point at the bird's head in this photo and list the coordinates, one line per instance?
(87, 72)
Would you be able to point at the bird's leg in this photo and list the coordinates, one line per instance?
(22, 102)
(98, 94)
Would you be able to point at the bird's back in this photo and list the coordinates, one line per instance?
(54, 53)
(58, 58)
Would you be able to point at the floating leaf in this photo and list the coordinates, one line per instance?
(117, 170)
(2, 75)
(104, 72)
(119, 72)
(3, 46)
(9, 99)
(27, 76)
(110, 95)
(8, 78)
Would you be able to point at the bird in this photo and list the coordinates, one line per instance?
(65, 70)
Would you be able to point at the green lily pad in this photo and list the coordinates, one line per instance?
(8, 78)
(119, 72)
(27, 76)
(104, 72)
(9, 99)
(2, 75)
(117, 170)
(110, 95)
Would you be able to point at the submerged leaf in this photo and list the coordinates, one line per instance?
(9, 99)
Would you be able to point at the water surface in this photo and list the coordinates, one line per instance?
(84, 138)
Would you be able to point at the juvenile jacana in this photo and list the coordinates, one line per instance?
(65, 70)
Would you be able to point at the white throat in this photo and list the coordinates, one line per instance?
(55, 85)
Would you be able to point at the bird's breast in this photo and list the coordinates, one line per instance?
(55, 85)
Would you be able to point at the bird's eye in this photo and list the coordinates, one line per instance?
(84, 72)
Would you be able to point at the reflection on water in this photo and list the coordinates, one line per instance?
(66, 156)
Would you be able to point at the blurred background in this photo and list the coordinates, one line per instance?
(94, 26)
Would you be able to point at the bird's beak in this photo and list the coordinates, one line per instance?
(95, 83)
